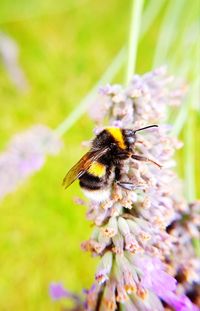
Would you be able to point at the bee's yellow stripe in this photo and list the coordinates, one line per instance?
(117, 134)
(97, 169)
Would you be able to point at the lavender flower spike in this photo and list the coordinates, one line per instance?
(143, 235)
(142, 276)
(24, 155)
(9, 52)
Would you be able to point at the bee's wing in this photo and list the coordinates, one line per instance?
(82, 166)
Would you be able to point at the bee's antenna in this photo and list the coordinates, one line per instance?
(146, 127)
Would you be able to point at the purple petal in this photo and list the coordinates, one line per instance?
(163, 283)
(57, 291)
(179, 303)
(154, 277)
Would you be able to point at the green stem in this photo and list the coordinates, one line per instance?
(187, 67)
(150, 14)
(189, 140)
(167, 32)
(196, 245)
(190, 130)
(114, 68)
(185, 109)
(187, 115)
(136, 15)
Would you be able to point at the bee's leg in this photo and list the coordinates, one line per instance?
(141, 158)
(127, 185)
(117, 173)
(123, 155)
(124, 184)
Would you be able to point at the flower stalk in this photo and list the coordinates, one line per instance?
(136, 16)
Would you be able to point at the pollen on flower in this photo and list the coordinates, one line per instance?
(131, 244)
(118, 244)
(141, 292)
(129, 283)
(110, 305)
(92, 246)
(101, 278)
(121, 294)
(144, 236)
(110, 232)
(130, 288)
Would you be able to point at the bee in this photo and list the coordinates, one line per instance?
(101, 166)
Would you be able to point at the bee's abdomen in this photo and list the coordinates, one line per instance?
(95, 182)
(96, 176)
(89, 181)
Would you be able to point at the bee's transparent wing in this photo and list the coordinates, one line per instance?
(82, 166)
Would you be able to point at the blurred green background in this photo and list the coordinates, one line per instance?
(64, 48)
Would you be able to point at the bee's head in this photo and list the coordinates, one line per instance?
(131, 134)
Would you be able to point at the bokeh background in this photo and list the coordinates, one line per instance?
(64, 47)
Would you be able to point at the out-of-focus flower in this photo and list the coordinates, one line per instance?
(9, 52)
(186, 265)
(57, 292)
(141, 255)
(24, 155)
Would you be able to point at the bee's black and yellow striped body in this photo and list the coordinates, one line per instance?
(95, 182)
(101, 166)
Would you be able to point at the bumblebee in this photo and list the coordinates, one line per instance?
(101, 165)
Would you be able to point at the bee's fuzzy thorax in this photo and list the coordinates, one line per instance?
(116, 133)
(109, 136)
